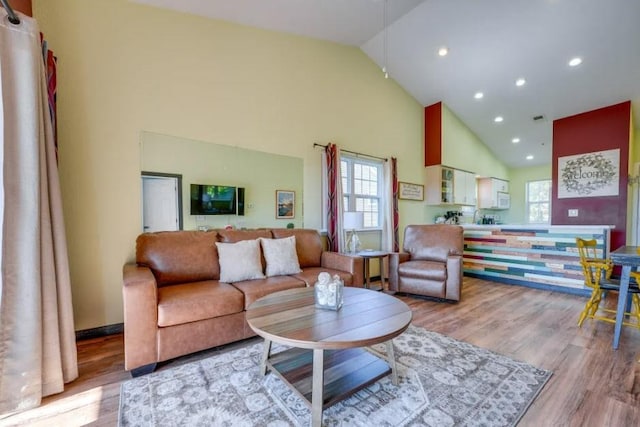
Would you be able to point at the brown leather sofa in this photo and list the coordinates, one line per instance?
(431, 264)
(175, 304)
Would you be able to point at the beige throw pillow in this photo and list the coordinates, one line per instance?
(240, 261)
(281, 256)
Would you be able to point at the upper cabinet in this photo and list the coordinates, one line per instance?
(445, 185)
(493, 193)
(464, 187)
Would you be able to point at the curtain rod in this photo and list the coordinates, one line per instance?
(384, 159)
(13, 18)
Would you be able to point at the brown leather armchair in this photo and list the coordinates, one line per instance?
(431, 264)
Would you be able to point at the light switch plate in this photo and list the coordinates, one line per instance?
(573, 212)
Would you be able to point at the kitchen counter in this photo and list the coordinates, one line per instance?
(534, 255)
(536, 227)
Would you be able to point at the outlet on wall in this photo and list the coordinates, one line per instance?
(573, 212)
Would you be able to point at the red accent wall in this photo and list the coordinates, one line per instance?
(603, 129)
(433, 134)
(23, 6)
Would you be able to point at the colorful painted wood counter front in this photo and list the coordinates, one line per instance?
(531, 255)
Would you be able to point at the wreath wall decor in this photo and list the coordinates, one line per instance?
(589, 175)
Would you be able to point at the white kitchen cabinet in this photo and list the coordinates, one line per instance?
(464, 188)
(493, 193)
(438, 185)
(446, 186)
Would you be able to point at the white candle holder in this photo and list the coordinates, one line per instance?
(328, 291)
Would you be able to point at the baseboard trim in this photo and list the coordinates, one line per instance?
(101, 331)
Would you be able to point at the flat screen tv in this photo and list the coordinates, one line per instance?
(213, 200)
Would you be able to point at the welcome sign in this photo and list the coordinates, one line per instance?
(594, 174)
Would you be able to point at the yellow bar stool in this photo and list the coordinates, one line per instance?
(597, 276)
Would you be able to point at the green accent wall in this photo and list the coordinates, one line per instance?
(517, 187)
(462, 149)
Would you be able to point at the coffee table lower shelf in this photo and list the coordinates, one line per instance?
(345, 372)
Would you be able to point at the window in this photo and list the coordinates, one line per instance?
(538, 201)
(362, 189)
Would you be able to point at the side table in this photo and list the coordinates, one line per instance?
(367, 256)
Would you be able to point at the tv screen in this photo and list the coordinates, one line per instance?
(213, 200)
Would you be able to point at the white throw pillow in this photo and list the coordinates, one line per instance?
(240, 261)
(281, 256)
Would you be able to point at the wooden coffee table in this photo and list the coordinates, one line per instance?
(326, 344)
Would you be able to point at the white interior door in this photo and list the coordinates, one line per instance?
(160, 208)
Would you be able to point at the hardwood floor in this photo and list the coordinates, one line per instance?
(592, 384)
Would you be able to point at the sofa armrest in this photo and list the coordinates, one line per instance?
(395, 259)
(454, 278)
(140, 302)
(351, 264)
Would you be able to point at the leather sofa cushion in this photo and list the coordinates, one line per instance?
(308, 245)
(179, 256)
(190, 302)
(426, 270)
(254, 289)
(310, 275)
(433, 242)
(233, 236)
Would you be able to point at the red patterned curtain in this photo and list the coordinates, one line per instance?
(50, 65)
(396, 215)
(334, 196)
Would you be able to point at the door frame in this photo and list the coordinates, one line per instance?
(178, 179)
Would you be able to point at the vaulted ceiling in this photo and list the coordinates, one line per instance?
(491, 44)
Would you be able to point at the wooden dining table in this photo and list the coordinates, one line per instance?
(628, 257)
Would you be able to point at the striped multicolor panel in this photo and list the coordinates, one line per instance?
(541, 258)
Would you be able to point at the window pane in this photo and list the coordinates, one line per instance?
(357, 171)
(361, 189)
(538, 201)
(344, 173)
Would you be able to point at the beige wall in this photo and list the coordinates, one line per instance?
(125, 68)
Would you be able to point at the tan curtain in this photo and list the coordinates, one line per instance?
(37, 342)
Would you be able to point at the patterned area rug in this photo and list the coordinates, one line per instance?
(442, 382)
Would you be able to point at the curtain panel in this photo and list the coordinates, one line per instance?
(333, 195)
(37, 339)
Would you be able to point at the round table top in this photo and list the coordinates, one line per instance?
(290, 317)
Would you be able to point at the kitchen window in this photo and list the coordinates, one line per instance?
(539, 201)
(362, 188)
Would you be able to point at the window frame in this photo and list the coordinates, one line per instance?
(529, 203)
(348, 190)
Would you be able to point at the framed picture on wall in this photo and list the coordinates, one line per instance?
(285, 204)
(594, 174)
(409, 191)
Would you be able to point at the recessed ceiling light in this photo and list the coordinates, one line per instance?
(498, 119)
(575, 61)
(521, 81)
(515, 140)
(478, 95)
(443, 51)
(530, 157)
